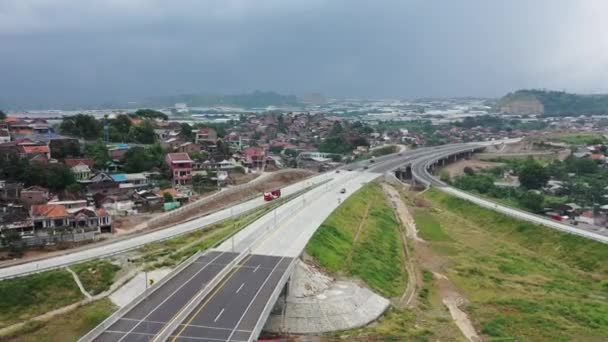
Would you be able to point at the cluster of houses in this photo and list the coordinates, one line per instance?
(256, 142)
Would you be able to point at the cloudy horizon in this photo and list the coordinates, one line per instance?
(68, 51)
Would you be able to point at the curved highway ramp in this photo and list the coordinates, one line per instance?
(226, 294)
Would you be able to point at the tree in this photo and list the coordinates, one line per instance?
(119, 128)
(143, 133)
(167, 197)
(60, 149)
(532, 201)
(164, 184)
(82, 126)
(360, 141)
(468, 171)
(186, 132)
(533, 176)
(98, 152)
(2, 115)
(444, 176)
(59, 176)
(12, 240)
(335, 144)
(150, 114)
(275, 149)
(73, 188)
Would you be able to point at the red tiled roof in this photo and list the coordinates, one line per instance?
(35, 149)
(174, 192)
(101, 212)
(49, 210)
(206, 130)
(253, 151)
(179, 157)
(71, 162)
(12, 119)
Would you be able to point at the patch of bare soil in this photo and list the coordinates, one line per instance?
(224, 199)
(407, 231)
(238, 178)
(457, 168)
(427, 259)
(127, 224)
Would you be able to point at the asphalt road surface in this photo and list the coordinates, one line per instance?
(231, 312)
(132, 242)
(147, 318)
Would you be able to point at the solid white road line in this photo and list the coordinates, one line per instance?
(218, 315)
(169, 297)
(253, 300)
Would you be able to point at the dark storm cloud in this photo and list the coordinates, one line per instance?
(70, 51)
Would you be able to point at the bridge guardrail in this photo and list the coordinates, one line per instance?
(273, 298)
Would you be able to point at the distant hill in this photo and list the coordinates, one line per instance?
(313, 99)
(257, 99)
(552, 103)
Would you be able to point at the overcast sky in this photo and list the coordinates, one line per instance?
(73, 51)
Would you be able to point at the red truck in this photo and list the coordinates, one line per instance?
(270, 195)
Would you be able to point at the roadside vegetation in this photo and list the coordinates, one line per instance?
(96, 276)
(582, 181)
(523, 282)
(171, 252)
(361, 239)
(578, 138)
(30, 296)
(65, 327)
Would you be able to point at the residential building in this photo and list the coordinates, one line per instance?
(181, 167)
(4, 136)
(254, 157)
(130, 180)
(81, 167)
(189, 147)
(46, 216)
(205, 134)
(30, 151)
(34, 195)
(101, 183)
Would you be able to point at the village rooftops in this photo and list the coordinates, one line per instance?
(178, 158)
(49, 210)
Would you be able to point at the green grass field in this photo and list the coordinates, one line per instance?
(26, 297)
(66, 327)
(578, 138)
(377, 257)
(96, 276)
(524, 282)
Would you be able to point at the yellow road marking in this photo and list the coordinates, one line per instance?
(215, 291)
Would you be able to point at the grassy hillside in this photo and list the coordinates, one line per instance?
(66, 327)
(375, 255)
(26, 297)
(523, 282)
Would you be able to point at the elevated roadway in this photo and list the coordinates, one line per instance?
(421, 172)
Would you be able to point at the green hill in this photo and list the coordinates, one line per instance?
(552, 103)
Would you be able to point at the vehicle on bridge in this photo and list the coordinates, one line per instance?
(270, 195)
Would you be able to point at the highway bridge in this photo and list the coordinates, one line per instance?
(226, 294)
